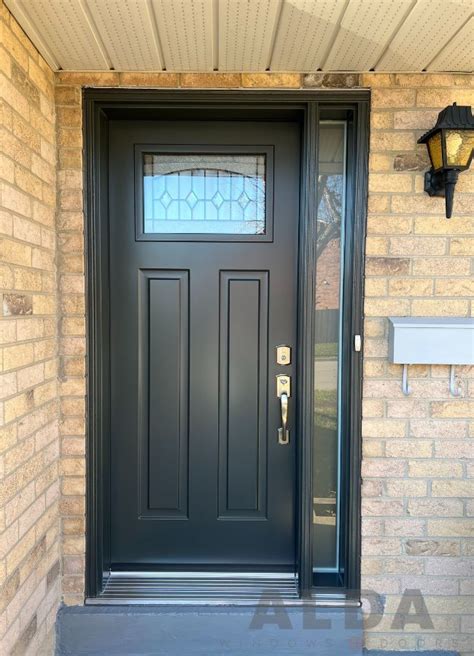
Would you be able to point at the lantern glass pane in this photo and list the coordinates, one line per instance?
(459, 146)
(435, 151)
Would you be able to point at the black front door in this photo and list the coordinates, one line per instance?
(203, 287)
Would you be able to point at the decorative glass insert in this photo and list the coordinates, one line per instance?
(204, 193)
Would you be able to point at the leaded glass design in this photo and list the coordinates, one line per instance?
(204, 193)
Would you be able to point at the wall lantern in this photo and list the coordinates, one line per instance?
(450, 146)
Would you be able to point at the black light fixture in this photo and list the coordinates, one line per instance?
(450, 146)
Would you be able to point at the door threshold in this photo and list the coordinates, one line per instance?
(211, 589)
(198, 588)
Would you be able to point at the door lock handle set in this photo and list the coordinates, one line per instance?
(283, 389)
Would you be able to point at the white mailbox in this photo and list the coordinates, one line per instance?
(431, 340)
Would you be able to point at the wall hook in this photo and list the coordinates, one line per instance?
(453, 388)
(406, 389)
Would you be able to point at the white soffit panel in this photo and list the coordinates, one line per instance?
(305, 32)
(127, 31)
(246, 31)
(458, 54)
(186, 33)
(365, 30)
(426, 30)
(65, 28)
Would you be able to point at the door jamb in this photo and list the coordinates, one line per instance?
(99, 106)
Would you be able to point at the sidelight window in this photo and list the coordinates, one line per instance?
(328, 427)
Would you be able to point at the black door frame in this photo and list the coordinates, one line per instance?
(101, 105)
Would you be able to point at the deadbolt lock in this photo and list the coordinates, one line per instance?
(283, 354)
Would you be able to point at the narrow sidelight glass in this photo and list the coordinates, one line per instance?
(327, 365)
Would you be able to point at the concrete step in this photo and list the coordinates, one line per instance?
(208, 631)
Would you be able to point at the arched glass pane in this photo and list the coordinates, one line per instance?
(204, 193)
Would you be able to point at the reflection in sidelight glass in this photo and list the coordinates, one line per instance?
(204, 193)
(328, 328)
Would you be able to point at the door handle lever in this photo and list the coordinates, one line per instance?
(283, 393)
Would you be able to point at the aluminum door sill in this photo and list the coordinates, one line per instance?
(210, 589)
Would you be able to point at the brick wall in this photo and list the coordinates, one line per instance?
(29, 409)
(418, 530)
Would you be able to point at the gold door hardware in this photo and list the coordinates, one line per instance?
(283, 354)
(283, 393)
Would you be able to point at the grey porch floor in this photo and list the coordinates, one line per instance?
(207, 631)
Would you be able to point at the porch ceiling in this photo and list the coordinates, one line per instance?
(251, 35)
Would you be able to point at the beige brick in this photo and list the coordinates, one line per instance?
(380, 162)
(382, 507)
(373, 448)
(417, 80)
(15, 252)
(442, 308)
(434, 469)
(423, 547)
(382, 468)
(462, 246)
(210, 80)
(393, 98)
(407, 407)
(376, 246)
(404, 527)
(43, 304)
(376, 287)
(441, 266)
(430, 225)
(451, 527)
(416, 204)
(73, 326)
(18, 406)
(376, 348)
(435, 507)
(16, 200)
(406, 488)
(389, 225)
(149, 80)
(69, 116)
(381, 546)
(65, 95)
(263, 80)
(417, 246)
(385, 141)
(381, 120)
(406, 448)
(17, 356)
(373, 408)
(459, 408)
(374, 327)
(90, 79)
(70, 158)
(386, 307)
(415, 119)
(387, 266)
(378, 203)
(442, 97)
(410, 287)
(451, 488)
(396, 182)
(20, 550)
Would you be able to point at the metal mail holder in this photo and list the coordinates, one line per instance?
(431, 340)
